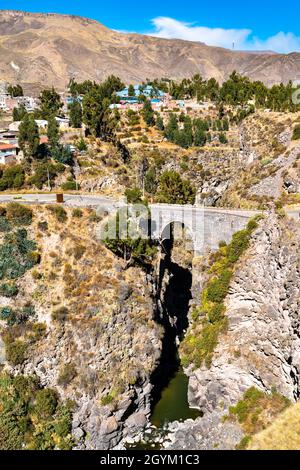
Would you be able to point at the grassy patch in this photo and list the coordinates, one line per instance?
(255, 411)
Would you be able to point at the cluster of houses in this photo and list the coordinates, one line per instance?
(8, 102)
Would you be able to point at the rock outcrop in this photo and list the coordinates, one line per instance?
(261, 346)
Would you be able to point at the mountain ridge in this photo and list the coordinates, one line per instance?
(44, 49)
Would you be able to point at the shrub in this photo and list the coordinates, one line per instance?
(16, 254)
(15, 352)
(198, 346)
(67, 374)
(5, 225)
(59, 212)
(9, 290)
(70, 186)
(77, 213)
(134, 195)
(257, 409)
(296, 132)
(217, 288)
(19, 316)
(24, 426)
(18, 214)
(13, 177)
(60, 314)
(46, 403)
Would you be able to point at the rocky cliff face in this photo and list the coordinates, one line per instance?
(261, 345)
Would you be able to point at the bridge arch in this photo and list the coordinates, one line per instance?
(177, 230)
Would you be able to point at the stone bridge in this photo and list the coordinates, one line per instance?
(206, 226)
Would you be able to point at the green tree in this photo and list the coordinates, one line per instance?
(159, 123)
(100, 120)
(171, 127)
(19, 112)
(148, 113)
(62, 154)
(223, 138)
(29, 138)
(50, 103)
(200, 137)
(131, 91)
(15, 90)
(175, 190)
(75, 114)
(53, 132)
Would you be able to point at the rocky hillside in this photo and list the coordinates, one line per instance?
(47, 49)
(254, 371)
(74, 317)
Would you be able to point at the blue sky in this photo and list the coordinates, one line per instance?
(260, 25)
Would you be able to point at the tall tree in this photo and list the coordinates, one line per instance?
(100, 120)
(131, 91)
(50, 103)
(53, 132)
(29, 138)
(19, 112)
(148, 113)
(175, 190)
(15, 90)
(75, 114)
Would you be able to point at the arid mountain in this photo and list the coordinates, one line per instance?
(49, 49)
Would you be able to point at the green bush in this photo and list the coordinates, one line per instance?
(199, 344)
(13, 177)
(15, 352)
(9, 290)
(46, 403)
(13, 316)
(70, 186)
(296, 132)
(18, 214)
(77, 213)
(5, 225)
(59, 212)
(134, 195)
(16, 254)
(217, 288)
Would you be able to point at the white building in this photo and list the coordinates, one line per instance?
(8, 153)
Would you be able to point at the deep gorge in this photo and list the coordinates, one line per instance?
(173, 290)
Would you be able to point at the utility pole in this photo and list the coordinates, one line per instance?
(48, 176)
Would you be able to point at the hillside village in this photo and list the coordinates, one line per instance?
(142, 131)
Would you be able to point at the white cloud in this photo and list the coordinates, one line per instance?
(243, 39)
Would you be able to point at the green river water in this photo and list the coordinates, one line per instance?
(173, 404)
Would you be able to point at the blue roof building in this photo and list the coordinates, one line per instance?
(146, 90)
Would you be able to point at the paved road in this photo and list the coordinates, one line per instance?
(72, 200)
(96, 200)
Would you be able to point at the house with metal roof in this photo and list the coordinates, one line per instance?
(140, 90)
